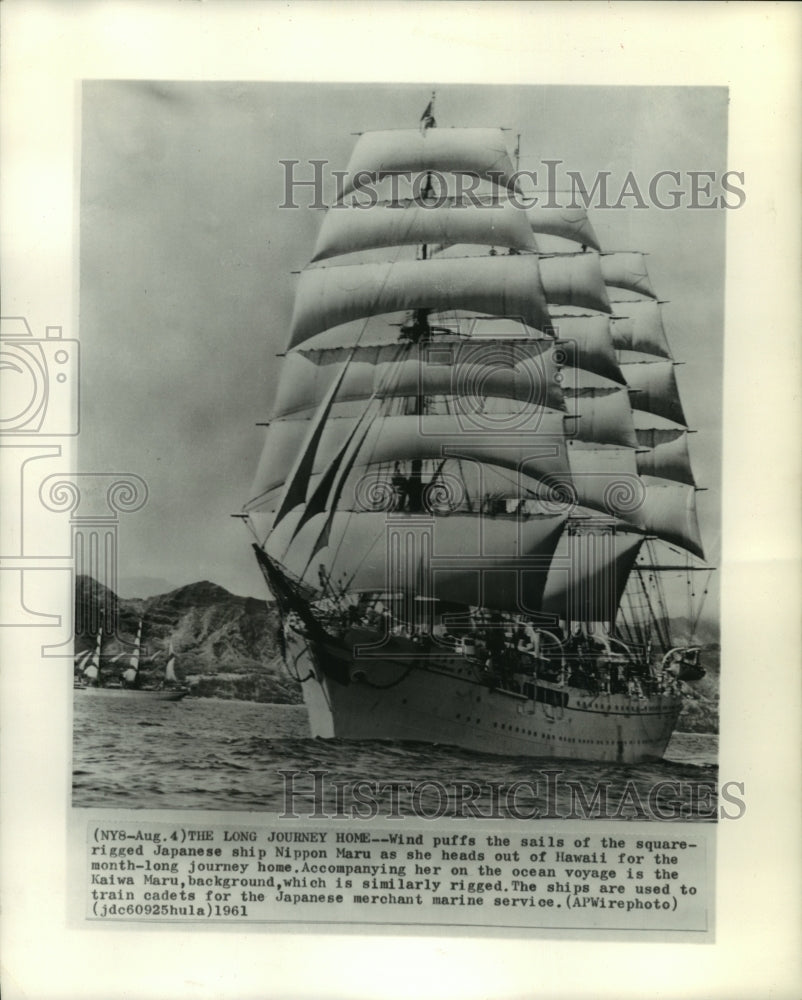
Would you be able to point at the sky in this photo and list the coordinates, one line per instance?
(187, 261)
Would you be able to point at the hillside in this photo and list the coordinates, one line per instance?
(225, 646)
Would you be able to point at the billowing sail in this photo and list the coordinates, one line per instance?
(628, 271)
(667, 457)
(638, 326)
(468, 558)
(501, 286)
(586, 342)
(569, 223)
(349, 230)
(589, 573)
(654, 389)
(481, 152)
(603, 416)
(524, 371)
(575, 280)
(669, 511)
(606, 480)
(531, 439)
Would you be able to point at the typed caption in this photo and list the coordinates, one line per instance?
(551, 877)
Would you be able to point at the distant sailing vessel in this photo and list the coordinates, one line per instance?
(476, 473)
(93, 677)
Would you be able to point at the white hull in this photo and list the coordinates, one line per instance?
(446, 700)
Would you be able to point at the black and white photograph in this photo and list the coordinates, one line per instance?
(400, 542)
(454, 357)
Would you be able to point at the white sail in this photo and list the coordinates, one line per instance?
(481, 152)
(466, 548)
(669, 511)
(502, 286)
(135, 655)
(448, 367)
(298, 479)
(667, 457)
(575, 280)
(350, 229)
(655, 389)
(92, 668)
(569, 223)
(607, 480)
(534, 440)
(603, 416)
(638, 326)
(589, 573)
(169, 669)
(627, 271)
(82, 660)
(586, 342)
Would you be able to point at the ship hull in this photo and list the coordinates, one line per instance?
(132, 694)
(446, 699)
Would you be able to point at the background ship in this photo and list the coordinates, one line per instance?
(477, 476)
(119, 675)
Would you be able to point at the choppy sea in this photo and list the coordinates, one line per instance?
(236, 755)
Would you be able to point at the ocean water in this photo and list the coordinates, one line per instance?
(229, 755)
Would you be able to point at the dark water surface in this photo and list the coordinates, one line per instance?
(214, 754)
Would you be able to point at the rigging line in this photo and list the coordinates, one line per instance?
(394, 371)
(702, 601)
(252, 529)
(660, 596)
(359, 565)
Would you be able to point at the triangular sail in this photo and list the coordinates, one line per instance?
(295, 492)
(169, 668)
(92, 668)
(132, 670)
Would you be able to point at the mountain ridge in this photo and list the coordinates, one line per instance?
(225, 645)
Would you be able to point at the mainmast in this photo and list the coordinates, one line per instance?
(417, 329)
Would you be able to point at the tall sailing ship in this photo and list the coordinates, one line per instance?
(476, 472)
(97, 674)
